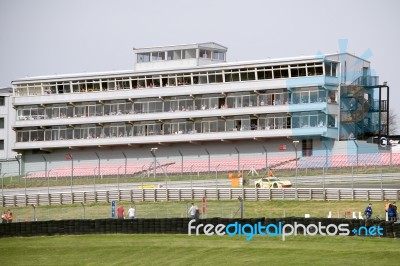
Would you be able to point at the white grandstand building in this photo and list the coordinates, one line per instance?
(184, 104)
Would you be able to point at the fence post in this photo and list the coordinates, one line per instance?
(34, 213)
(84, 210)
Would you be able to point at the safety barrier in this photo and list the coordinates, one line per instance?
(181, 225)
(181, 194)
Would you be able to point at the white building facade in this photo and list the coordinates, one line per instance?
(8, 158)
(186, 99)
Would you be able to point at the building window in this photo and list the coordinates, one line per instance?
(2, 100)
(188, 53)
(145, 57)
(205, 53)
(1, 144)
(2, 122)
(330, 69)
(218, 55)
(157, 56)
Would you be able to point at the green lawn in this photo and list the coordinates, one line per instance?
(197, 250)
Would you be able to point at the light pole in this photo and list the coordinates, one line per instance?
(295, 143)
(209, 161)
(191, 176)
(26, 197)
(70, 157)
(126, 162)
(266, 159)
(94, 179)
(153, 152)
(355, 143)
(48, 183)
(238, 154)
(98, 170)
(242, 197)
(46, 174)
(118, 179)
(325, 166)
(216, 176)
(181, 162)
(18, 158)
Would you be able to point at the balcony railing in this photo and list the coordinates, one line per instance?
(375, 106)
(366, 81)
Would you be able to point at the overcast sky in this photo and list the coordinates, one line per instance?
(46, 37)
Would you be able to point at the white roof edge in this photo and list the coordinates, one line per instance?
(197, 68)
(334, 54)
(73, 75)
(179, 46)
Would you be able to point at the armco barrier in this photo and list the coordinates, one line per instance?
(172, 226)
(179, 194)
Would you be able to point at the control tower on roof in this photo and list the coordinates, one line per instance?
(179, 56)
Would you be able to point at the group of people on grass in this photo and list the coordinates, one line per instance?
(7, 217)
(131, 212)
(390, 210)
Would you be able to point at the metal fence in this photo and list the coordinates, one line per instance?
(326, 156)
(187, 194)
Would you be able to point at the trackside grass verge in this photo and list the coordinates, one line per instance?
(197, 250)
(179, 209)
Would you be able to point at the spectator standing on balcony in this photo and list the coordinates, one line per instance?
(121, 212)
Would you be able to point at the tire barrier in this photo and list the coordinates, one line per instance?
(178, 226)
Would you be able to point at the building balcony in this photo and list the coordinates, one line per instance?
(174, 138)
(41, 120)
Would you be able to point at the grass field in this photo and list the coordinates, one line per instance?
(226, 209)
(197, 250)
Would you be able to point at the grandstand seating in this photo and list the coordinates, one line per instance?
(190, 166)
(225, 165)
(343, 160)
